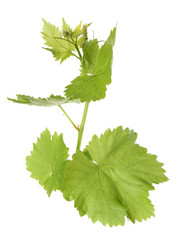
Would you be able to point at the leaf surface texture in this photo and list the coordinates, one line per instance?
(112, 177)
(48, 160)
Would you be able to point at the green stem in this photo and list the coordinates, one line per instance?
(79, 53)
(74, 55)
(80, 132)
(69, 118)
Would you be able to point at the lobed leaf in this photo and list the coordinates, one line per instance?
(47, 162)
(112, 177)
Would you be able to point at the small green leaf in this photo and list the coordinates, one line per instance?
(46, 102)
(60, 48)
(96, 71)
(111, 178)
(65, 26)
(78, 30)
(47, 162)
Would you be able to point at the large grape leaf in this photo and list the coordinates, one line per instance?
(111, 178)
(47, 162)
(60, 47)
(46, 102)
(95, 71)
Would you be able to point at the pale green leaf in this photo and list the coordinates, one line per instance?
(65, 26)
(46, 102)
(47, 162)
(96, 71)
(60, 48)
(111, 178)
(78, 30)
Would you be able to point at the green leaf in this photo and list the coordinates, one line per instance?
(111, 178)
(96, 71)
(46, 102)
(78, 30)
(65, 26)
(47, 162)
(90, 55)
(87, 88)
(60, 48)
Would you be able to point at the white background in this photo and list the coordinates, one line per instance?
(145, 95)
